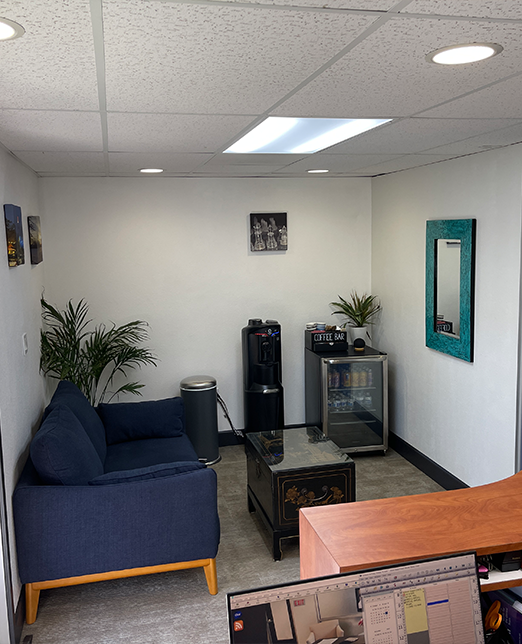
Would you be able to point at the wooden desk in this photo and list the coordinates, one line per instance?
(351, 536)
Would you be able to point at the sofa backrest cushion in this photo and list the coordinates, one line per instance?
(149, 419)
(61, 451)
(67, 393)
(143, 473)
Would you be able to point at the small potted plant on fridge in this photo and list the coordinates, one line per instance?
(360, 312)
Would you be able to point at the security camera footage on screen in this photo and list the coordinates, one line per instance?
(435, 601)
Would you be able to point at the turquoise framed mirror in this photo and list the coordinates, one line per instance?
(450, 286)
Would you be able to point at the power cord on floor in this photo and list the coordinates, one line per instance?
(223, 404)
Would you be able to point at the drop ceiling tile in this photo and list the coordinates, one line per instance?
(339, 163)
(52, 66)
(387, 73)
(51, 131)
(271, 160)
(417, 135)
(235, 171)
(502, 100)
(499, 138)
(172, 132)
(358, 5)
(473, 8)
(64, 163)
(203, 59)
(128, 162)
(403, 163)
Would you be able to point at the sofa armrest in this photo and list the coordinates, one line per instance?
(66, 531)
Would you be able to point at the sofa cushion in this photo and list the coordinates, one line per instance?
(67, 393)
(147, 419)
(148, 452)
(142, 473)
(61, 451)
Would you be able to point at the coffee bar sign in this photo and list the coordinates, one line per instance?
(328, 336)
(318, 341)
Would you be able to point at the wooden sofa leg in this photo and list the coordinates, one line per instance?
(211, 575)
(32, 597)
(32, 591)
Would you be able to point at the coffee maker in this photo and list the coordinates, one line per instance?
(262, 376)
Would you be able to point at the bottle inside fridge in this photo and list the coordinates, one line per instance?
(355, 404)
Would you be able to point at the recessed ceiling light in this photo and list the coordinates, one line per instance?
(461, 54)
(284, 135)
(317, 171)
(151, 170)
(10, 30)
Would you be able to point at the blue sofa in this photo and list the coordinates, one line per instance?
(112, 492)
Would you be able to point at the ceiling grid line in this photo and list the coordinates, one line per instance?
(371, 29)
(127, 84)
(99, 55)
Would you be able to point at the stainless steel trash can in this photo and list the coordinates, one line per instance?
(199, 395)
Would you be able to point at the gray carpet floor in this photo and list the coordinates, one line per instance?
(176, 608)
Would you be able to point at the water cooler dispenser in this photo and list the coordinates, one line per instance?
(262, 376)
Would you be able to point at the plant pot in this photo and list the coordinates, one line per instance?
(359, 332)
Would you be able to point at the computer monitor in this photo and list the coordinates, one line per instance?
(433, 601)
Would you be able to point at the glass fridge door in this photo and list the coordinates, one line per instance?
(355, 405)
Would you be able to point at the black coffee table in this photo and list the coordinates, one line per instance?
(290, 469)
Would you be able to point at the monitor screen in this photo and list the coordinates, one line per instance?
(435, 601)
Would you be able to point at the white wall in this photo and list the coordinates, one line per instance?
(175, 252)
(461, 415)
(21, 387)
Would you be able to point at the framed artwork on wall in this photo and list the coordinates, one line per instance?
(268, 231)
(14, 235)
(35, 239)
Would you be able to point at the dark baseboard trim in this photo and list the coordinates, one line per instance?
(425, 464)
(19, 616)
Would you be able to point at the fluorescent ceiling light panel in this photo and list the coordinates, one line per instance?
(283, 135)
(263, 135)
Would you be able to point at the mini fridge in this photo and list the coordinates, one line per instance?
(347, 397)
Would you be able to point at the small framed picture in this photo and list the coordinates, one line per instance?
(35, 239)
(268, 231)
(14, 234)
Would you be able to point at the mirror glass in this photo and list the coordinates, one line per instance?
(448, 287)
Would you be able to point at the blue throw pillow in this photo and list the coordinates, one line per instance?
(61, 451)
(67, 393)
(152, 472)
(149, 419)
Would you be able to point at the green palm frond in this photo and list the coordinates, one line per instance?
(91, 358)
(61, 341)
(360, 310)
(129, 387)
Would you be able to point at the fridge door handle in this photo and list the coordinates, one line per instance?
(350, 358)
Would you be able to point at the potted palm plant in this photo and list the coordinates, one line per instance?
(360, 312)
(91, 359)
